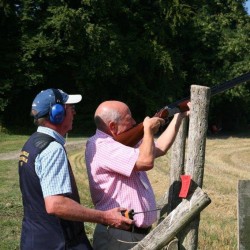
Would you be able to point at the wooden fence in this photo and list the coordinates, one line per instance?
(179, 220)
(244, 214)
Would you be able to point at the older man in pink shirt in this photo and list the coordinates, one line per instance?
(117, 173)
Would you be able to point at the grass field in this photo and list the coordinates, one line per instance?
(227, 161)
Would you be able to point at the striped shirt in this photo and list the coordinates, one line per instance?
(114, 183)
(51, 166)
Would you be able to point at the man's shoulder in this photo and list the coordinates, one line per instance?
(42, 140)
(49, 145)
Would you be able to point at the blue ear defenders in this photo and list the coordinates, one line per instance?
(57, 111)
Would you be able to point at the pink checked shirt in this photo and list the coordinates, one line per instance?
(113, 183)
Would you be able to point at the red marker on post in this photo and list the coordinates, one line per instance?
(185, 184)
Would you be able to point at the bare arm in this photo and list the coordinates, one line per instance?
(146, 157)
(68, 209)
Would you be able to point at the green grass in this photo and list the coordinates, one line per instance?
(227, 161)
(11, 142)
(10, 206)
(11, 209)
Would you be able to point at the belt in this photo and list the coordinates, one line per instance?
(135, 229)
(139, 230)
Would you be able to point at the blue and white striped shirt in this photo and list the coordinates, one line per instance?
(51, 166)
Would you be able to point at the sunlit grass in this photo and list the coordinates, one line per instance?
(10, 206)
(11, 142)
(227, 161)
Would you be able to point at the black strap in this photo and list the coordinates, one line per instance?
(42, 140)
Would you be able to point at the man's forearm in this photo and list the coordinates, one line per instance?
(146, 156)
(69, 209)
(166, 139)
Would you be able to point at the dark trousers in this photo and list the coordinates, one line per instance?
(106, 238)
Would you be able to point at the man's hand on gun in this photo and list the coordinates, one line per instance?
(185, 113)
(153, 124)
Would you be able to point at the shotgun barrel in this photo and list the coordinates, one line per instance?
(132, 136)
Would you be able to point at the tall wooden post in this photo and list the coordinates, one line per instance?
(171, 199)
(183, 224)
(200, 99)
(177, 166)
(243, 214)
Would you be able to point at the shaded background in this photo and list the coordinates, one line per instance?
(146, 53)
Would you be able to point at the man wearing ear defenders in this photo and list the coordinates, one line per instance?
(53, 217)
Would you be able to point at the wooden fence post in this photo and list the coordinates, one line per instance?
(171, 198)
(183, 220)
(177, 166)
(243, 214)
(200, 99)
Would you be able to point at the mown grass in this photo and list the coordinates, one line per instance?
(227, 162)
(11, 142)
(10, 206)
(11, 209)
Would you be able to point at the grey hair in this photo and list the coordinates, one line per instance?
(39, 121)
(106, 116)
(110, 115)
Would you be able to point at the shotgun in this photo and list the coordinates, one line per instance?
(132, 136)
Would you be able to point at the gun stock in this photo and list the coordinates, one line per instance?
(132, 136)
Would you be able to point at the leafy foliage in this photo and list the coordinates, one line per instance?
(146, 53)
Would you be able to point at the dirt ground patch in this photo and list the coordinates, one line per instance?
(70, 146)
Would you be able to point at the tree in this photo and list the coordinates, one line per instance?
(146, 53)
(9, 48)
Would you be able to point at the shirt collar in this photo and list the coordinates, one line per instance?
(102, 134)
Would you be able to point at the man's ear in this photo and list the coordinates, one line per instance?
(113, 128)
